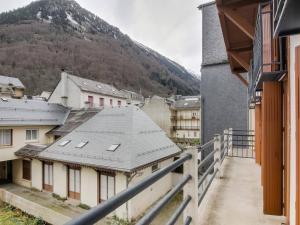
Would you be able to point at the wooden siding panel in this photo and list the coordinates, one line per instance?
(267, 39)
(272, 148)
(297, 70)
(258, 133)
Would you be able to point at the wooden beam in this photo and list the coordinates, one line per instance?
(238, 20)
(242, 79)
(239, 59)
(242, 3)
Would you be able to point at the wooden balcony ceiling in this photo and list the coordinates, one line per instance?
(238, 18)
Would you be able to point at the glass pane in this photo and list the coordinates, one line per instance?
(71, 180)
(28, 134)
(46, 174)
(50, 174)
(103, 188)
(111, 187)
(77, 181)
(34, 135)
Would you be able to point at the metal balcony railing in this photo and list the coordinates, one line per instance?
(104, 209)
(186, 127)
(264, 66)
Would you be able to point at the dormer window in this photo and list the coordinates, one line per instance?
(82, 144)
(4, 99)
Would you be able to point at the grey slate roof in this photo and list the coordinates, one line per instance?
(191, 102)
(30, 150)
(13, 81)
(96, 87)
(142, 142)
(75, 119)
(20, 112)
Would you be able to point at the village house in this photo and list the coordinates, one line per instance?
(24, 122)
(107, 153)
(179, 117)
(11, 87)
(77, 93)
(133, 98)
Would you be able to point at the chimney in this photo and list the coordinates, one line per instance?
(64, 87)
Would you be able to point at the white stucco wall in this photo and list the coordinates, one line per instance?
(19, 140)
(145, 199)
(89, 186)
(96, 98)
(294, 42)
(159, 111)
(60, 179)
(121, 185)
(37, 174)
(73, 91)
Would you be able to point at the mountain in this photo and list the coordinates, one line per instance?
(39, 40)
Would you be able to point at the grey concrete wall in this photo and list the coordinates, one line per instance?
(224, 95)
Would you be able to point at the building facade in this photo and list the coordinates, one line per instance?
(268, 38)
(24, 122)
(77, 93)
(11, 87)
(178, 116)
(224, 95)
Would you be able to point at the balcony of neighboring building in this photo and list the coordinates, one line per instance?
(186, 127)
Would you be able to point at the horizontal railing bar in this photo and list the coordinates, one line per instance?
(179, 211)
(206, 173)
(188, 221)
(205, 160)
(99, 212)
(206, 144)
(207, 187)
(147, 219)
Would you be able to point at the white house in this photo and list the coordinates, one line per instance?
(106, 154)
(11, 87)
(77, 93)
(24, 122)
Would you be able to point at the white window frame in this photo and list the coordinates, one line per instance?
(10, 131)
(31, 139)
(105, 188)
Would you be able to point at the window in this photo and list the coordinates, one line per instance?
(195, 134)
(113, 147)
(26, 169)
(155, 168)
(107, 186)
(91, 101)
(111, 102)
(48, 177)
(5, 137)
(101, 102)
(119, 103)
(31, 135)
(82, 144)
(74, 183)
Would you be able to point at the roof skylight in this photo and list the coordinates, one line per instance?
(113, 147)
(82, 144)
(64, 143)
(99, 86)
(4, 99)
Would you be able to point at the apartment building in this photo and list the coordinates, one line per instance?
(179, 116)
(77, 93)
(11, 87)
(106, 154)
(186, 119)
(24, 122)
(263, 39)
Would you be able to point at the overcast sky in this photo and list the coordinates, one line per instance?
(171, 27)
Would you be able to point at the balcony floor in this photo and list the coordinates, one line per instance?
(236, 198)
